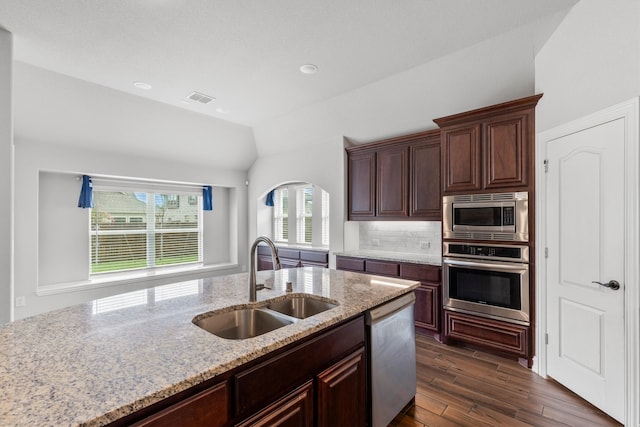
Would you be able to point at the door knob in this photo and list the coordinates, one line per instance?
(613, 284)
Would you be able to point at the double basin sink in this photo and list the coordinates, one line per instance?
(242, 322)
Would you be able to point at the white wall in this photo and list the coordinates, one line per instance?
(591, 61)
(308, 144)
(32, 158)
(6, 173)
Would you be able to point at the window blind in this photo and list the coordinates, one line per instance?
(136, 227)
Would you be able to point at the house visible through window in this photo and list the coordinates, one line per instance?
(136, 230)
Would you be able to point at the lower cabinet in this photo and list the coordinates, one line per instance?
(341, 397)
(319, 380)
(428, 308)
(292, 258)
(207, 408)
(506, 338)
(293, 410)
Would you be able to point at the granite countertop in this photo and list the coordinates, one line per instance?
(94, 363)
(395, 256)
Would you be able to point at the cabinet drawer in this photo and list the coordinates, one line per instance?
(261, 384)
(313, 256)
(209, 407)
(423, 273)
(385, 268)
(288, 253)
(353, 264)
(502, 336)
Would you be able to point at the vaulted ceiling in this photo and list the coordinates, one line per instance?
(247, 53)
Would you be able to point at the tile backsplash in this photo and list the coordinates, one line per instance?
(419, 237)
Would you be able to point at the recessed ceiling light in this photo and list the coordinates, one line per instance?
(222, 110)
(142, 85)
(308, 69)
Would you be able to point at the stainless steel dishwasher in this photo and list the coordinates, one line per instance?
(392, 358)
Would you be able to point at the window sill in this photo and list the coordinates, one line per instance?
(119, 279)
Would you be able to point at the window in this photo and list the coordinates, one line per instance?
(135, 230)
(325, 218)
(281, 214)
(304, 214)
(308, 205)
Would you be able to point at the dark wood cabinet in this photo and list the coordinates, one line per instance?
(425, 200)
(395, 179)
(506, 338)
(209, 407)
(292, 258)
(461, 159)
(341, 393)
(293, 410)
(392, 180)
(362, 185)
(428, 307)
(490, 148)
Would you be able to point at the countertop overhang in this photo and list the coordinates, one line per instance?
(94, 363)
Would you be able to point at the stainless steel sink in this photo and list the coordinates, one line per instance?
(301, 307)
(242, 323)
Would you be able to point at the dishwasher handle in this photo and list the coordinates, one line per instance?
(389, 308)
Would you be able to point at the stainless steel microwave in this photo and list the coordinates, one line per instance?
(490, 216)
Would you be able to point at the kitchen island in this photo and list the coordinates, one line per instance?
(100, 362)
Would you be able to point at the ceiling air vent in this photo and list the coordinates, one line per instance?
(200, 97)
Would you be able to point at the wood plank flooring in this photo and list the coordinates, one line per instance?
(462, 387)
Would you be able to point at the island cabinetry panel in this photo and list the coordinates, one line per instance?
(341, 392)
(293, 410)
(490, 148)
(257, 387)
(428, 307)
(209, 407)
(506, 338)
(292, 258)
(395, 179)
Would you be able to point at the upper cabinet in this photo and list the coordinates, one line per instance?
(395, 179)
(489, 148)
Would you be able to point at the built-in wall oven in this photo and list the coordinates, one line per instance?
(489, 216)
(489, 280)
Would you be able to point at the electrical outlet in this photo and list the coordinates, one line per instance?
(425, 245)
(244, 267)
(375, 242)
(21, 301)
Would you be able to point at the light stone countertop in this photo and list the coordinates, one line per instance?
(435, 260)
(90, 364)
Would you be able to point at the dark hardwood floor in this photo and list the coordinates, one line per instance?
(462, 387)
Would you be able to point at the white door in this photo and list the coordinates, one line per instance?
(585, 238)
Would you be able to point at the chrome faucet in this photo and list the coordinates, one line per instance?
(253, 287)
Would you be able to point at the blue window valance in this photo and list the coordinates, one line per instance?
(269, 201)
(207, 198)
(86, 193)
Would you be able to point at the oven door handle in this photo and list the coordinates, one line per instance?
(504, 266)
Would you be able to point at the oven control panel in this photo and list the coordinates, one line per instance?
(503, 252)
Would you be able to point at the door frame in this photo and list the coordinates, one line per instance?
(630, 112)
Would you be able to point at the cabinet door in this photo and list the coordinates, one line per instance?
(265, 262)
(362, 181)
(293, 410)
(207, 408)
(425, 199)
(392, 179)
(461, 158)
(341, 393)
(506, 152)
(427, 308)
